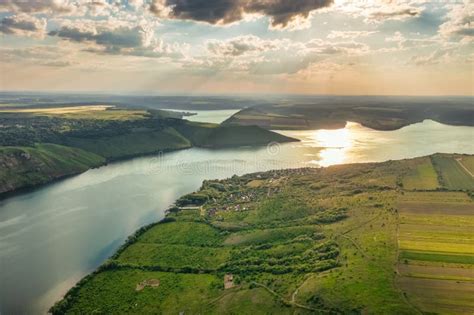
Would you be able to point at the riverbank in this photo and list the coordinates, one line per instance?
(69, 228)
(288, 239)
(375, 112)
(36, 150)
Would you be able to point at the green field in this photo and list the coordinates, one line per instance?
(452, 174)
(436, 240)
(422, 176)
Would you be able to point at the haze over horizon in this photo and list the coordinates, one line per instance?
(378, 47)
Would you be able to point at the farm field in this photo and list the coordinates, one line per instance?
(345, 239)
(467, 162)
(453, 174)
(436, 241)
(422, 176)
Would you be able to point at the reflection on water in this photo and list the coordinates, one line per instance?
(335, 144)
(51, 237)
(355, 143)
(208, 116)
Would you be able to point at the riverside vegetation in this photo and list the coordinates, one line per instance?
(387, 238)
(38, 145)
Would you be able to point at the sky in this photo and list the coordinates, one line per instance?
(348, 47)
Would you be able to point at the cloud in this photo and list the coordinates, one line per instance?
(321, 47)
(112, 39)
(397, 13)
(436, 57)
(243, 45)
(117, 38)
(23, 25)
(282, 13)
(460, 22)
(410, 43)
(38, 55)
(350, 34)
(257, 56)
(379, 11)
(37, 6)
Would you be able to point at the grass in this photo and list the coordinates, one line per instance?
(468, 162)
(186, 233)
(114, 292)
(256, 237)
(29, 166)
(364, 282)
(422, 176)
(251, 301)
(132, 144)
(436, 256)
(174, 256)
(452, 175)
(435, 196)
(432, 245)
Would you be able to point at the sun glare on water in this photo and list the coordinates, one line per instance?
(335, 144)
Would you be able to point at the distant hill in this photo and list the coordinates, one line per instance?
(380, 113)
(38, 147)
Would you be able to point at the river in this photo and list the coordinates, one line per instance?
(53, 236)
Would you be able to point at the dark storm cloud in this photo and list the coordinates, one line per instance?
(281, 12)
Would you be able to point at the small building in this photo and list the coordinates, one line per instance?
(228, 281)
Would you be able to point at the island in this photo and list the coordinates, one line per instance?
(377, 238)
(41, 144)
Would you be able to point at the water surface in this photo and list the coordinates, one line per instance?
(209, 116)
(53, 236)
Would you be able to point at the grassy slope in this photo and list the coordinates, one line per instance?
(215, 136)
(28, 166)
(132, 144)
(181, 136)
(76, 153)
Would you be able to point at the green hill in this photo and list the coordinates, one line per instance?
(22, 167)
(89, 138)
